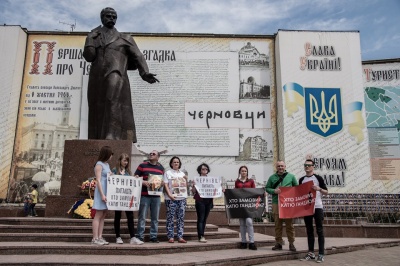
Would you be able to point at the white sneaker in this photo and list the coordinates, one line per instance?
(101, 239)
(97, 242)
(202, 240)
(136, 241)
(119, 240)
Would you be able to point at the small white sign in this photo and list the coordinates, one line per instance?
(123, 192)
(208, 187)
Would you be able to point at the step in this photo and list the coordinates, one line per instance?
(33, 229)
(108, 229)
(221, 257)
(67, 246)
(86, 237)
(69, 221)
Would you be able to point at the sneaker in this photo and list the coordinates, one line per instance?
(103, 240)
(277, 247)
(97, 242)
(309, 256)
(292, 247)
(243, 245)
(140, 238)
(119, 240)
(202, 240)
(136, 241)
(320, 258)
(252, 246)
(154, 240)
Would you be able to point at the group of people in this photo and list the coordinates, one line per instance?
(176, 205)
(282, 178)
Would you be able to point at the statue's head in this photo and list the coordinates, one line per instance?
(108, 17)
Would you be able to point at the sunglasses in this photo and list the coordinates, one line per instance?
(153, 154)
(308, 165)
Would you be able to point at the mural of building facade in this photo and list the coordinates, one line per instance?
(218, 102)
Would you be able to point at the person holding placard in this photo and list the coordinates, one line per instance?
(101, 169)
(123, 168)
(281, 178)
(246, 224)
(153, 202)
(320, 187)
(203, 205)
(175, 186)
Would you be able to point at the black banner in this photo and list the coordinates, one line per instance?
(244, 202)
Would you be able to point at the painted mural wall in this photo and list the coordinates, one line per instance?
(214, 104)
(221, 100)
(321, 111)
(382, 107)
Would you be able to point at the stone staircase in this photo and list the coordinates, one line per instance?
(65, 241)
(67, 236)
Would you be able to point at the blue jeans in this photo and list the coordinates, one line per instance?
(154, 204)
(203, 209)
(246, 226)
(32, 210)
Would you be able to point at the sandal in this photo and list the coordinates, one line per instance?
(181, 240)
(171, 240)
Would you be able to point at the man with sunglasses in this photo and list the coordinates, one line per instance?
(152, 202)
(281, 179)
(318, 216)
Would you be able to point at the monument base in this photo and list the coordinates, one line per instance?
(80, 157)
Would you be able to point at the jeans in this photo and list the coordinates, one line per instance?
(279, 226)
(27, 208)
(175, 208)
(32, 210)
(246, 225)
(308, 220)
(154, 204)
(117, 223)
(202, 209)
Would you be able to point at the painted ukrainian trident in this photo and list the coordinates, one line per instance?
(323, 110)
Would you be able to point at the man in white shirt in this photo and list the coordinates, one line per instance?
(318, 216)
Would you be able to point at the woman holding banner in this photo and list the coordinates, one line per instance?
(203, 205)
(246, 224)
(175, 201)
(101, 169)
(123, 168)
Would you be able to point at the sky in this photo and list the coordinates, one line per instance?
(378, 21)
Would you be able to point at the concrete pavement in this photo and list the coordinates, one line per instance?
(369, 257)
(340, 251)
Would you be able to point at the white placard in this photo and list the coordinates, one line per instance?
(208, 187)
(123, 192)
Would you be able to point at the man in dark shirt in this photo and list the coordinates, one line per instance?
(152, 202)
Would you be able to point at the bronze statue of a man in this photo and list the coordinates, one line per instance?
(109, 95)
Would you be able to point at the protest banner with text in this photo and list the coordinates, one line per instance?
(296, 201)
(244, 202)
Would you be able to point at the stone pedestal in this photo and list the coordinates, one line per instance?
(80, 157)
